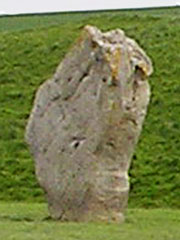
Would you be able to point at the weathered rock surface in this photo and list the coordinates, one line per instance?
(85, 124)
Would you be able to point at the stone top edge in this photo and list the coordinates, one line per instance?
(114, 39)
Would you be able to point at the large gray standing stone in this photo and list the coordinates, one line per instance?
(85, 123)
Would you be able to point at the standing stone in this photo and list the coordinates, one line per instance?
(85, 123)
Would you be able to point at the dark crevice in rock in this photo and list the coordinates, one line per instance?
(77, 142)
(114, 82)
(63, 150)
(111, 144)
(133, 98)
(69, 79)
(133, 121)
(128, 107)
(45, 150)
(94, 44)
(98, 59)
(83, 76)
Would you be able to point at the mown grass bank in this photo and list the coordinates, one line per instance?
(27, 221)
(31, 48)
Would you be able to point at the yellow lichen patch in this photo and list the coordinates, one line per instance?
(114, 58)
(145, 68)
(112, 104)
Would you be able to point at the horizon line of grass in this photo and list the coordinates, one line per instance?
(89, 11)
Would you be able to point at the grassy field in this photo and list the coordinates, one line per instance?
(30, 222)
(31, 47)
(31, 22)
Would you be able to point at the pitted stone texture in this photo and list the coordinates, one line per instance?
(85, 124)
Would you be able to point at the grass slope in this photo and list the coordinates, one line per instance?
(31, 47)
(30, 222)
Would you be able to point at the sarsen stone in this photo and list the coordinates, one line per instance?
(85, 123)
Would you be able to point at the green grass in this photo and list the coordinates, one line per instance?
(30, 222)
(31, 47)
(30, 22)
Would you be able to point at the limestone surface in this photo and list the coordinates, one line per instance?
(85, 124)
